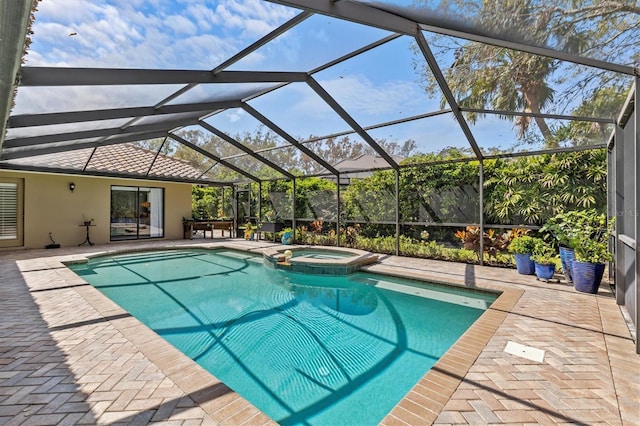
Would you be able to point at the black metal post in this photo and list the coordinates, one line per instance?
(293, 219)
(397, 173)
(338, 211)
(481, 195)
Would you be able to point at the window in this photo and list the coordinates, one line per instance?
(136, 212)
(10, 212)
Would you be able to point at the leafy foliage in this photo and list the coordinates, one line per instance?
(524, 244)
(572, 227)
(371, 198)
(543, 253)
(440, 193)
(206, 202)
(530, 190)
(493, 242)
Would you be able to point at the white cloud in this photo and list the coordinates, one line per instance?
(179, 34)
(67, 11)
(180, 24)
(251, 17)
(34, 100)
(358, 94)
(234, 115)
(200, 51)
(159, 34)
(203, 16)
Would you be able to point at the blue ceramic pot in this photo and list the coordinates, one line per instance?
(567, 256)
(524, 264)
(587, 276)
(287, 238)
(545, 272)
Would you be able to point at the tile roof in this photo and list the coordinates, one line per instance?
(118, 159)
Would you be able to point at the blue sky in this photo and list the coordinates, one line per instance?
(377, 86)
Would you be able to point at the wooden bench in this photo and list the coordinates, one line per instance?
(208, 225)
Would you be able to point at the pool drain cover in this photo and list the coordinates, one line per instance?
(528, 352)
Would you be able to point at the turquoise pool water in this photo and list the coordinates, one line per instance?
(321, 254)
(304, 349)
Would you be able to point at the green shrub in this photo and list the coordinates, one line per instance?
(522, 245)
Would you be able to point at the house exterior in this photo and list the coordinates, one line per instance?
(57, 205)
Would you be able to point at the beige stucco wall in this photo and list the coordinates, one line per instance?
(49, 206)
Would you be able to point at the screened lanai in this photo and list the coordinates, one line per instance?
(265, 97)
(370, 74)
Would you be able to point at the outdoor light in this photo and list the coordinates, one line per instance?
(72, 186)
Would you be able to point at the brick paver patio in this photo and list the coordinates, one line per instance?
(68, 355)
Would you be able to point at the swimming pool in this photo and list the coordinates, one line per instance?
(304, 349)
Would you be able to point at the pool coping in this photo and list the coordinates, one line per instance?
(601, 372)
(216, 399)
(219, 401)
(426, 400)
(421, 404)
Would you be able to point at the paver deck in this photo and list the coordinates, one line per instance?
(68, 355)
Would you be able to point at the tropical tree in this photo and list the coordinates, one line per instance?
(206, 202)
(489, 77)
(483, 76)
(605, 102)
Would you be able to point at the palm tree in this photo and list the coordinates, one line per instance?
(490, 77)
(495, 78)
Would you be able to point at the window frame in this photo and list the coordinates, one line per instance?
(128, 233)
(18, 239)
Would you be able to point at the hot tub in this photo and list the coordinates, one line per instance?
(319, 260)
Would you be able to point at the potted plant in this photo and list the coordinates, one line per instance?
(522, 247)
(87, 222)
(592, 253)
(545, 259)
(568, 229)
(248, 231)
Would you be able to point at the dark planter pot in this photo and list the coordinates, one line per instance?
(271, 227)
(524, 264)
(545, 272)
(186, 227)
(567, 256)
(587, 276)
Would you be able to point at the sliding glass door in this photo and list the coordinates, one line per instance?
(136, 212)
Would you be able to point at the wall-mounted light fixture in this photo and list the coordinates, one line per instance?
(72, 186)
